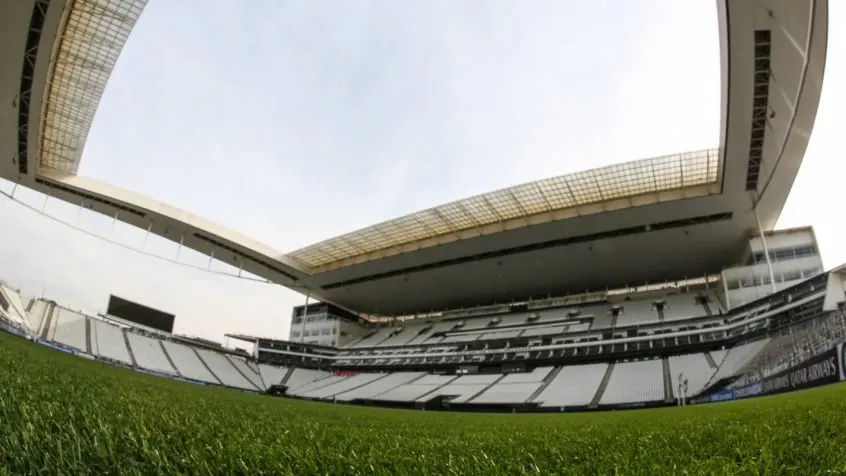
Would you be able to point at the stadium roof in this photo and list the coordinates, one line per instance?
(608, 188)
(625, 224)
(87, 49)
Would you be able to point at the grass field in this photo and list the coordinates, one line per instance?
(62, 414)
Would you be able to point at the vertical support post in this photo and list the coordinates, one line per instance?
(305, 313)
(766, 248)
(179, 250)
(14, 189)
(211, 258)
(44, 205)
(114, 223)
(147, 235)
(726, 291)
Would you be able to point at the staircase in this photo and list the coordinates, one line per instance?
(48, 322)
(238, 369)
(287, 376)
(129, 348)
(169, 360)
(264, 385)
(601, 390)
(711, 362)
(668, 381)
(546, 381)
(89, 349)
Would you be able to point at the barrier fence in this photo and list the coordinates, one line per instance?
(827, 367)
(842, 359)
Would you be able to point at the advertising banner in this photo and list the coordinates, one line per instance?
(722, 396)
(841, 349)
(752, 390)
(817, 370)
(55, 346)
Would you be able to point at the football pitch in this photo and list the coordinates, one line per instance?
(61, 414)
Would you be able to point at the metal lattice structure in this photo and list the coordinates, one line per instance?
(93, 35)
(594, 191)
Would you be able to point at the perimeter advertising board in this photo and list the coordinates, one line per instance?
(842, 359)
(722, 396)
(817, 370)
(752, 390)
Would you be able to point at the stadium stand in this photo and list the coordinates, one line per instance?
(188, 363)
(691, 367)
(224, 369)
(508, 393)
(416, 389)
(312, 385)
(463, 388)
(379, 386)
(341, 385)
(736, 358)
(12, 304)
(573, 386)
(68, 328)
(38, 310)
(633, 382)
(515, 388)
(246, 371)
(148, 353)
(109, 342)
(271, 374)
(301, 377)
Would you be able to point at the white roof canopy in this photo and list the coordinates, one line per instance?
(87, 49)
(614, 187)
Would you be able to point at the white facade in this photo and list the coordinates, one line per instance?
(794, 256)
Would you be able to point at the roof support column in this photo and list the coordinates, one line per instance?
(305, 313)
(725, 291)
(766, 249)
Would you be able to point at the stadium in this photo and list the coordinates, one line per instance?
(660, 282)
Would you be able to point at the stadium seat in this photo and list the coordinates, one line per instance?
(108, 341)
(641, 381)
(68, 328)
(188, 363)
(149, 353)
(575, 385)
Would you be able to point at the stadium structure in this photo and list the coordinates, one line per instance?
(646, 283)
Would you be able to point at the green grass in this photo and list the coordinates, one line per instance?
(64, 415)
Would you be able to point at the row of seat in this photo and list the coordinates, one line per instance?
(567, 386)
(598, 316)
(125, 346)
(577, 385)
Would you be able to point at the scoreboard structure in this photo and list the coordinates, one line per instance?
(140, 314)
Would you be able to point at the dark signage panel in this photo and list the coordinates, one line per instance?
(817, 370)
(140, 314)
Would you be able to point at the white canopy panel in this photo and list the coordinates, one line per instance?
(88, 47)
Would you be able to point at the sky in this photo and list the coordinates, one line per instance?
(295, 121)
